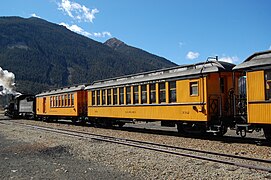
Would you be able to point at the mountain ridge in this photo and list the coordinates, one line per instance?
(44, 55)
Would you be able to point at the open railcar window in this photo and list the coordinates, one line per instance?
(268, 85)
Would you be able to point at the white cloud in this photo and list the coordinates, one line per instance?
(233, 59)
(34, 15)
(77, 11)
(181, 44)
(192, 55)
(76, 29)
(79, 30)
(102, 34)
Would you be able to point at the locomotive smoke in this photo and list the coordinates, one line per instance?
(7, 85)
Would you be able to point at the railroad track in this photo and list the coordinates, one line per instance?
(247, 162)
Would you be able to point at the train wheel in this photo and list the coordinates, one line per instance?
(223, 130)
(180, 128)
(121, 124)
(267, 133)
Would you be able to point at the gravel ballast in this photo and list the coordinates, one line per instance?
(91, 159)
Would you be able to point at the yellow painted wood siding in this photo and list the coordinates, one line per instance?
(186, 108)
(259, 111)
(255, 86)
(177, 112)
(56, 111)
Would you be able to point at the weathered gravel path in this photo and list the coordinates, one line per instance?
(90, 159)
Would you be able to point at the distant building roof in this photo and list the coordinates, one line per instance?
(255, 61)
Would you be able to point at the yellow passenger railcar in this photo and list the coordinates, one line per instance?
(195, 97)
(257, 82)
(65, 103)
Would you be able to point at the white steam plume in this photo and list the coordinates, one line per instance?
(7, 85)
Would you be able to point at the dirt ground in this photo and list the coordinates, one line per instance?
(28, 153)
(23, 160)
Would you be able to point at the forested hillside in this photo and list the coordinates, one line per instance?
(43, 55)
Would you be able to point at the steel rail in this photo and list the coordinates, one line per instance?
(132, 143)
(166, 146)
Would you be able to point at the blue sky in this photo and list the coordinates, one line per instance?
(183, 31)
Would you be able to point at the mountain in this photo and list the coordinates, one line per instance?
(44, 55)
(138, 54)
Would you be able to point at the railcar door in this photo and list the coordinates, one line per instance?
(44, 105)
(242, 96)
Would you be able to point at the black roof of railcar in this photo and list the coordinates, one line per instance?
(255, 61)
(168, 73)
(62, 90)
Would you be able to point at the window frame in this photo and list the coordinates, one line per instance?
(93, 98)
(267, 79)
(162, 92)
(152, 93)
(192, 85)
(109, 95)
(121, 95)
(172, 90)
(115, 96)
(144, 94)
(128, 95)
(103, 97)
(136, 94)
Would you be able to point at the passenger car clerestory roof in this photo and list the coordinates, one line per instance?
(257, 60)
(62, 90)
(162, 74)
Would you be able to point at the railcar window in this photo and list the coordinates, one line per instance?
(62, 98)
(66, 100)
(93, 98)
(72, 99)
(128, 95)
(108, 96)
(172, 91)
(53, 105)
(103, 97)
(194, 89)
(51, 101)
(121, 96)
(98, 97)
(144, 94)
(152, 93)
(69, 99)
(115, 96)
(162, 92)
(136, 100)
(268, 85)
(59, 101)
(56, 101)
